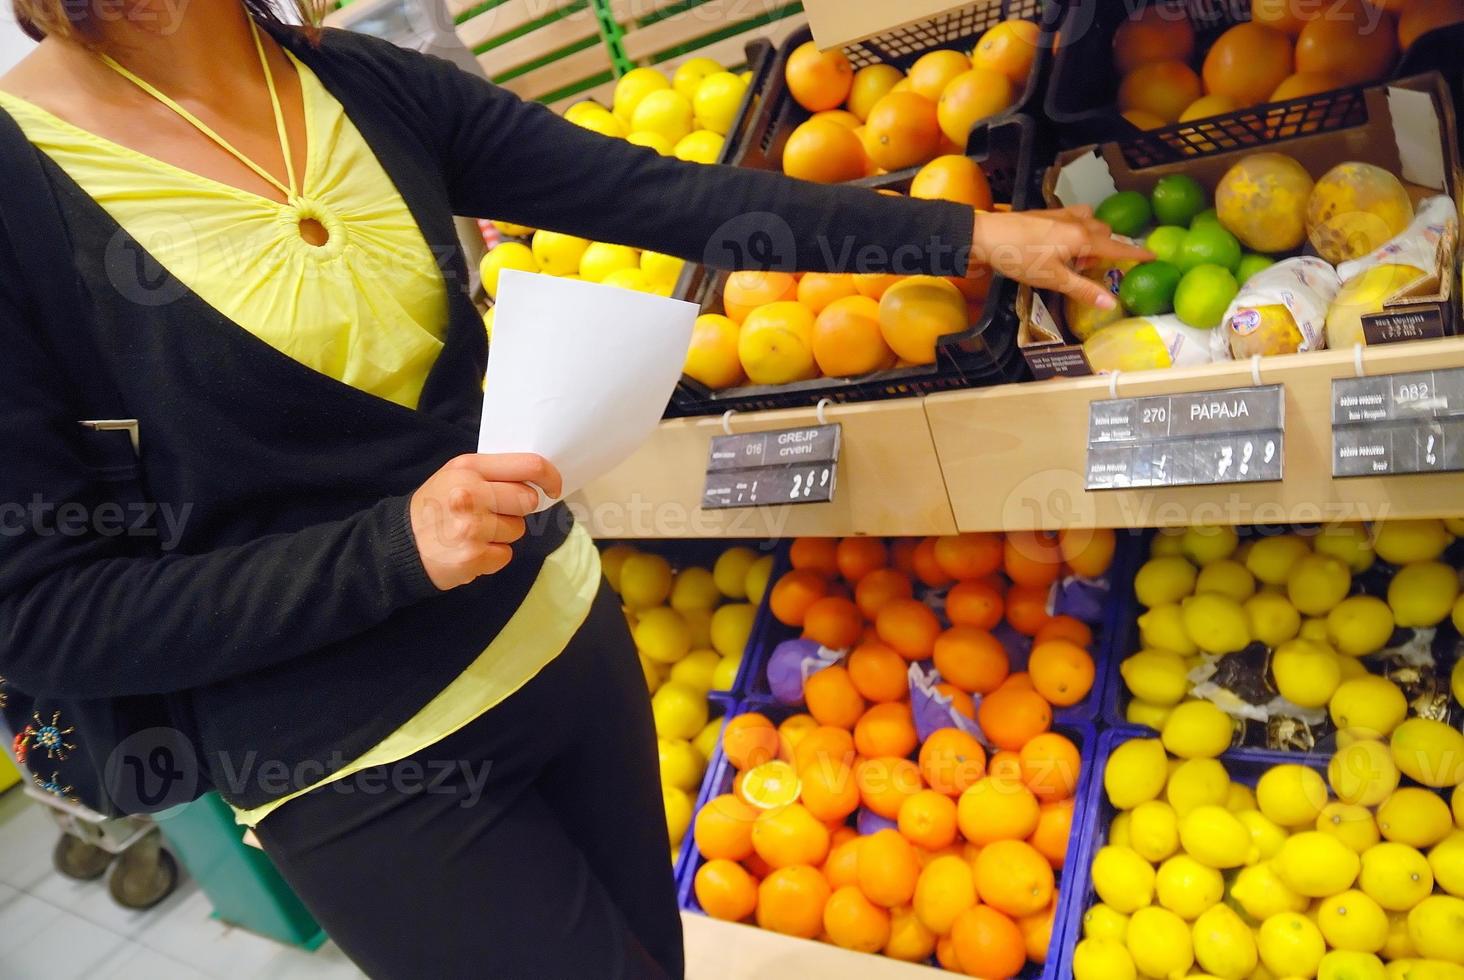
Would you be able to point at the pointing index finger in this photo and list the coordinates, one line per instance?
(1105, 247)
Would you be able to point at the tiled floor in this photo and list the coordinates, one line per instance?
(53, 928)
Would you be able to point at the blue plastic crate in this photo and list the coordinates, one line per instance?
(719, 705)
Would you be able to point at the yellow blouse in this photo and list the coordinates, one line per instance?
(367, 308)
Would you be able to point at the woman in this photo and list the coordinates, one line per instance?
(427, 705)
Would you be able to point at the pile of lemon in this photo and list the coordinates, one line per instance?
(687, 115)
(1207, 594)
(691, 627)
(1201, 876)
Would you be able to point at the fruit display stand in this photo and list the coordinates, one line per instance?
(665, 34)
(550, 51)
(837, 23)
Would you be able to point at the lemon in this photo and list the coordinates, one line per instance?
(694, 588)
(699, 621)
(1349, 542)
(725, 676)
(655, 674)
(1291, 795)
(1317, 583)
(1197, 730)
(1351, 824)
(1435, 925)
(1104, 922)
(1156, 676)
(730, 571)
(717, 100)
(634, 86)
(1422, 594)
(1164, 580)
(1399, 945)
(1291, 945)
(731, 628)
(611, 561)
(580, 110)
(679, 711)
(1368, 707)
(1415, 817)
(601, 259)
(1363, 773)
(1352, 921)
(1186, 887)
(1359, 625)
(699, 146)
(1342, 964)
(691, 73)
(1168, 543)
(1226, 577)
(1428, 752)
(1307, 672)
(1271, 618)
(632, 279)
(558, 254)
(507, 255)
(603, 123)
(1352, 668)
(1136, 772)
(1215, 623)
(665, 270)
(1102, 959)
(1456, 802)
(1162, 628)
(755, 582)
(1415, 969)
(1316, 864)
(1240, 798)
(1214, 836)
(1314, 628)
(1404, 542)
(1266, 834)
(1118, 829)
(677, 804)
(1122, 879)
(1206, 543)
(1447, 861)
(682, 766)
(653, 141)
(1261, 894)
(707, 739)
(664, 111)
(1154, 830)
(1270, 559)
(1224, 945)
(517, 231)
(663, 635)
(1140, 712)
(1195, 783)
(696, 669)
(1160, 943)
(1395, 876)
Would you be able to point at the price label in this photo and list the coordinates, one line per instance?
(1398, 424)
(759, 469)
(1423, 323)
(1214, 437)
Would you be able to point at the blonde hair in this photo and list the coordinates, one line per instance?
(73, 20)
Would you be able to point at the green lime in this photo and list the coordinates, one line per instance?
(1209, 244)
(1126, 212)
(1204, 294)
(1165, 241)
(1148, 289)
(1250, 264)
(1177, 199)
(1205, 217)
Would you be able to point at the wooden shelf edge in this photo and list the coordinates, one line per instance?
(836, 23)
(730, 951)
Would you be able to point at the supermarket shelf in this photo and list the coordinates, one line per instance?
(889, 481)
(836, 23)
(1014, 457)
(729, 951)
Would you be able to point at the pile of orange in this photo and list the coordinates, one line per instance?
(962, 840)
(1289, 49)
(879, 119)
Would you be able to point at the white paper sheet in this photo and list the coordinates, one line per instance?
(579, 373)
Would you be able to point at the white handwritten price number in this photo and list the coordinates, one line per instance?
(804, 484)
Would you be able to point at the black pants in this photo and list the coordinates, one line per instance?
(557, 865)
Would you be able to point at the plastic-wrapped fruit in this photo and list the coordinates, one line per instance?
(1084, 320)
(1262, 200)
(1362, 296)
(1282, 310)
(1263, 330)
(1144, 344)
(1355, 208)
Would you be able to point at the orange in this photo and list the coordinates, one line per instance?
(960, 700)
(824, 152)
(879, 587)
(1010, 48)
(888, 869)
(1064, 628)
(928, 819)
(746, 291)
(945, 954)
(723, 828)
(902, 554)
(951, 761)
(1005, 764)
(829, 791)
(749, 740)
(1013, 878)
(854, 922)
(1158, 33)
(794, 593)
(972, 96)
(1051, 766)
(902, 131)
(834, 622)
(847, 339)
(946, 888)
(725, 890)
(842, 867)
(910, 941)
(1286, 16)
(1302, 84)
(988, 944)
(1054, 828)
(1336, 47)
(791, 901)
(926, 855)
(994, 809)
(1026, 608)
(1037, 931)
(832, 698)
(932, 72)
(841, 834)
(1031, 558)
(1140, 119)
(1247, 62)
(1162, 88)
(927, 567)
(1418, 19)
(885, 783)
(886, 730)
(1011, 716)
(790, 835)
(816, 290)
(819, 80)
(974, 603)
(971, 659)
(870, 85)
(711, 357)
(915, 313)
(1087, 551)
(879, 673)
(843, 117)
(1208, 105)
(1019, 680)
(816, 555)
(874, 284)
(1061, 671)
(974, 554)
(909, 627)
(824, 746)
(791, 732)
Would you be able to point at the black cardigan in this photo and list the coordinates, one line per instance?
(288, 617)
